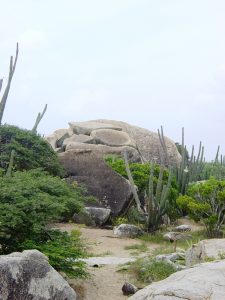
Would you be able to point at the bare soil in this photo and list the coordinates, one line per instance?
(105, 282)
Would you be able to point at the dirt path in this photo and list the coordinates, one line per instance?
(105, 282)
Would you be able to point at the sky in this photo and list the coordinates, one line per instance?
(145, 62)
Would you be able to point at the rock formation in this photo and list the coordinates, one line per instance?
(204, 281)
(28, 275)
(83, 146)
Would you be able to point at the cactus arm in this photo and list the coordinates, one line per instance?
(133, 188)
(12, 68)
(10, 166)
(38, 119)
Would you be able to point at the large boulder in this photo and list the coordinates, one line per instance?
(28, 275)
(88, 167)
(206, 249)
(204, 281)
(84, 145)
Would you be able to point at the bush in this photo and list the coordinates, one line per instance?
(206, 202)
(148, 270)
(63, 251)
(141, 173)
(30, 200)
(31, 151)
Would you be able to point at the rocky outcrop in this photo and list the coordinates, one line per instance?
(99, 215)
(127, 230)
(28, 275)
(206, 249)
(83, 146)
(112, 190)
(205, 281)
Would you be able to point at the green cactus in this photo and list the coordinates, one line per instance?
(38, 119)
(12, 68)
(157, 200)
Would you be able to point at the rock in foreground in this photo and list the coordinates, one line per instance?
(205, 281)
(206, 249)
(28, 275)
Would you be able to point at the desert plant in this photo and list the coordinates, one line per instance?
(205, 202)
(63, 250)
(31, 151)
(157, 199)
(12, 67)
(38, 119)
(29, 201)
(147, 270)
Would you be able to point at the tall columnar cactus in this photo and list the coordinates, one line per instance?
(133, 187)
(157, 199)
(38, 119)
(12, 68)
(164, 158)
(189, 169)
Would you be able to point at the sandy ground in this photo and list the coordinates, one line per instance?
(105, 282)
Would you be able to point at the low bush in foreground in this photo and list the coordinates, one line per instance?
(29, 201)
(63, 251)
(148, 270)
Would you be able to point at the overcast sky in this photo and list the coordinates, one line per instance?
(146, 62)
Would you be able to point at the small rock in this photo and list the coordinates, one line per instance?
(183, 228)
(99, 214)
(172, 256)
(127, 230)
(129, 289)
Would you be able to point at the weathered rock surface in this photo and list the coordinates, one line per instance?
(89, 168)
(28, 275)
(92, 140)
(205, 281)
(183, 228)
(127, 230)
(206, 249)
(98, 214)
(129, 289)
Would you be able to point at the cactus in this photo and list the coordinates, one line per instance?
(10, 166)
(189, 169)
(38, 119)
(164, 159)
(12, 68)
(157, 201)
(133, 187)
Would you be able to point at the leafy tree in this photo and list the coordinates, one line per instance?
(31, 151)
(206, 202)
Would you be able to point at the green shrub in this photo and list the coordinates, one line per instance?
(141, 173)
(206, 202)
(63, 251)
(31, 199)
(31, 151)
(147, 270)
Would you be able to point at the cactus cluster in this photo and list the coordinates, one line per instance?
(157, 199)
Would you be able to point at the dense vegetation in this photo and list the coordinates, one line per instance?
(31, 151)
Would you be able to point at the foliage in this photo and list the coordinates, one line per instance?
(212, 169)
(141, 173)
(63, 251)
(28, 201)
(206, 202)
(147, 270)
(120, 220)
(31, 151)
